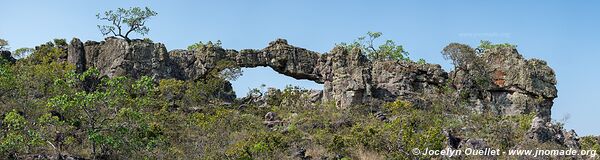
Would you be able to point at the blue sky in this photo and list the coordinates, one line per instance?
(564, 34)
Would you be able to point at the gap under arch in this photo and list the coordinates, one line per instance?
(255, 77)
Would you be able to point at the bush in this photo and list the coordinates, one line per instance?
(386, 51)
(590, 143)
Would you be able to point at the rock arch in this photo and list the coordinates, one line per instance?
(349, 78)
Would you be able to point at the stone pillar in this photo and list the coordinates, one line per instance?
(76, 55)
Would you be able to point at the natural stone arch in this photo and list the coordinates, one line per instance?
(346, 74)
(349, 78)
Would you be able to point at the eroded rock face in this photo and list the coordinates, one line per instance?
(507, 84)
(520, 85)
(517, 85)
(393, 79)
(76, 55)
(116, 57)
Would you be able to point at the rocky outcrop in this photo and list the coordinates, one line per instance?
(542, 131)
(503, 83)
(76, 55)
(518, 86)
(5, 55)
(117, 57)
(393, 79)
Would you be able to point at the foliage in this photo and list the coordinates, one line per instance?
(200, 45)
(47, 53)
(462, 55)
(590, 143)
(421, 61)
(7, 82)
(22, 52)
(49, 109)
(227, 70)
(17, 138)
(147, 40)
(468, 61)
(386, 51)
(60, 42)
(135, 18)
(486, 45)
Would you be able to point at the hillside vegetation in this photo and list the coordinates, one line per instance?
(51, 110)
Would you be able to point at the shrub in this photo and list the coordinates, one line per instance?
(386, 51)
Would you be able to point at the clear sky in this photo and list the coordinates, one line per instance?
(564, 33)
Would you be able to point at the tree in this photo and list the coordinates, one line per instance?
(387, 51)
(111, 116)
(462, 55)
(23, 52)
(135, 18)
(3, 45)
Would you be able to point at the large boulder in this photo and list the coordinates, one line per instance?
(117, 57)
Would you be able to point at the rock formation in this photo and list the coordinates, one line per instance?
(5, 55)
(346, 74)
(519, 86)
(507, 85)
(504, 83)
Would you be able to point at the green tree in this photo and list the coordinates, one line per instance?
(17, 138)
(228, 70)
(13, 141)
(7, 82)
(22, 52)
(111, 116)
(462, 55)
(386, 51)
(135, 18)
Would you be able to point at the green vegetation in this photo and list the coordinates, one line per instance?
(590, 143)
(463, 55)
(135, 18)
(22, 52)
(201, 45)
(386, 51)
(485, 45)
(421, 61)
(471, 64)
(48, 108)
